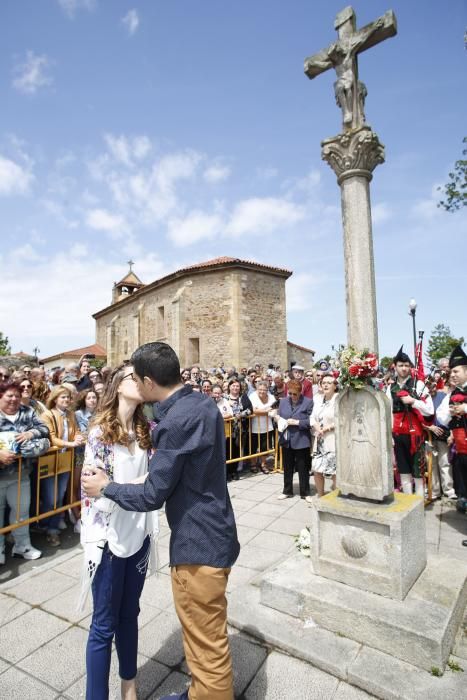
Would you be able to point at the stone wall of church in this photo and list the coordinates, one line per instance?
(229, 315)
(263, 318)
(299, 356)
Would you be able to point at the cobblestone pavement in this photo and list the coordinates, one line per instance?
(42, 637)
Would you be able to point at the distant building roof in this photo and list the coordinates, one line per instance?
(216, 262)
(301, 347)
(95, 349)
(131, 279)
(222, 262)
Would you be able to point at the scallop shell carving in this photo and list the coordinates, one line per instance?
(354, 545)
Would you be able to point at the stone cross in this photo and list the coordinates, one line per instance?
(342, 55)
(353, 155)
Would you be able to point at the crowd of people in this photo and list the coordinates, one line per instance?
(259, 404)
(40, 410)
(120, 421)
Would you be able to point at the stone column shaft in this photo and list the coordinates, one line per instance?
(353, 156)
(362, 327)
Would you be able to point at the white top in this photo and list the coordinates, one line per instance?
(324, 415)
(128, 529)
(225, 408)
(261, 424)
(442, 414)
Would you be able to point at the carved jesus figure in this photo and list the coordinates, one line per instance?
(350, 92)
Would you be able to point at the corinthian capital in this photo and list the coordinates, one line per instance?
(357, 152)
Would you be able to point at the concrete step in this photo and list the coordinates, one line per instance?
(372, 671)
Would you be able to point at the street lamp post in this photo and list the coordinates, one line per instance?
(412, 312)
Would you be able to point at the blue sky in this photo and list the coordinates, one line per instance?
(175, 132)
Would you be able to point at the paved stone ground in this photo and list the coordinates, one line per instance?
(42, 638)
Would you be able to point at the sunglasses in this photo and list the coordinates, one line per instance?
(129, 376)
(3, 376)
(26, 386)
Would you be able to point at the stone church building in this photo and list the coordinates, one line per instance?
(224, 310)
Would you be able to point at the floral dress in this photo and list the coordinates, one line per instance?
(324, 455)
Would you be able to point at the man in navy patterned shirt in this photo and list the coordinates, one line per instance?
(187, 473)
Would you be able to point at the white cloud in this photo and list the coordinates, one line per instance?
(78, 250)
(380, 213)
(31, 73)
(26, 253)
(127, 150)
(300, 292)
(144, 191)
(60, 212)
(267, 173)
(40, 284)
(71, 7)
(427, 208)
(263, 215)
(303, 185)
(216, 173)
(103, 220)
(14, 179)
(194, 227)
(131, 21)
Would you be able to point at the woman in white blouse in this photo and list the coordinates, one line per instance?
(261, 426)
(117, 543)
(323, 428)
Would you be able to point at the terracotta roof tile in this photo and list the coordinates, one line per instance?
(225, 260)
(94, 349)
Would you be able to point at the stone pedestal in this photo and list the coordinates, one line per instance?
(375, 547)
(420, 630)
(364, 444)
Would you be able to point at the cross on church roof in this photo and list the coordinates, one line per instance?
(130, 262)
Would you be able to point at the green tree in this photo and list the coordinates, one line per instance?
(4, 345)
(441, 343)
(455, 191)
(386, 361)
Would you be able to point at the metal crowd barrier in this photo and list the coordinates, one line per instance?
(241, 434)
(48, 466)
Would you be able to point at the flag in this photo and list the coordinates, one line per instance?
(419, 368)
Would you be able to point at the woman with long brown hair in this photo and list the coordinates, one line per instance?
(117, 543)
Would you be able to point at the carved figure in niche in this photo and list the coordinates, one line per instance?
(363, 451)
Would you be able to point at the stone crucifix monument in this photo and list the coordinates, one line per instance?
(363, 430)
(369, 580)
(362, 540)
(353, 155)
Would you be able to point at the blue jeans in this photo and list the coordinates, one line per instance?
(47, 498)
(9, 496)
(116, 591)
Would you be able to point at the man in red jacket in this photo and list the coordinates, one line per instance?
(298, 372)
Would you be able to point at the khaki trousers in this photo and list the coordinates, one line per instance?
(201, 605)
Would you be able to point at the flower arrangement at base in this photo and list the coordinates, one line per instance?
(303, 541)
(358, 367)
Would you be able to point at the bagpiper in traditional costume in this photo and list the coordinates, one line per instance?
(452, 413)
(411, 405)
